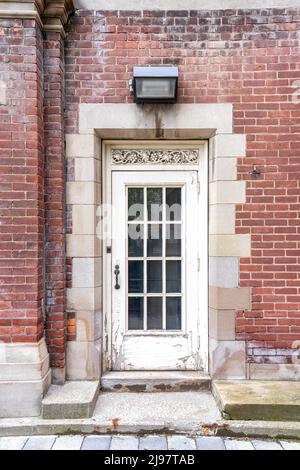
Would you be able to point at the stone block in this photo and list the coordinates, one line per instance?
(230, 245)
(73, 400)
(84, 219)
(227, 192)
(227, 359)
(88, 325)
(87, 169)
(221, 218)
(222, 324)
(228, 145)
(83, 360)
(87, 272)
(258, 400)
(84, 298)
(83, 192)
(82, 145)
(222, 169)
(231, 299)
(83, 246)
(274, 371)
(224, 271)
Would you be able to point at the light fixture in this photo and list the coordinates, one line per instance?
(155, 84)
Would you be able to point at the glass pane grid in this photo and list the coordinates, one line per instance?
(154, 258)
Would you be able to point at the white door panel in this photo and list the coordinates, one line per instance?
(155, 297)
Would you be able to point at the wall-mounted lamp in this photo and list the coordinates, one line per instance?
(155, 84)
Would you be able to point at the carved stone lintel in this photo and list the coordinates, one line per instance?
(154, 156)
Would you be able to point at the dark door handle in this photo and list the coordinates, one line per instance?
(117, 273)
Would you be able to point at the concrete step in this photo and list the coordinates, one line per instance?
(155, 381)
(71, 400)
(258, 400)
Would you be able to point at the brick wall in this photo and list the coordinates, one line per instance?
(21, 182)
(249, 58)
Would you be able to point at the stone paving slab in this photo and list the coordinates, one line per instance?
(96, 443)
(210, 443)
(68, 443)
(146, 442)
(153, 443)
(290, 445)
(40, 443)
(124, 443)
(181, 443)
(266, 445)
(13, 443)
(232, 444)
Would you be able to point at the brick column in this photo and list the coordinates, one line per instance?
(24, 182)
(24, 368)
(54, 202)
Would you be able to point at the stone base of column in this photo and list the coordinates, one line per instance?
(25, 377)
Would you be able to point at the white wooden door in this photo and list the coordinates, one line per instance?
(155, 265)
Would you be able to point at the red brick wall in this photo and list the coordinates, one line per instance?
(54, 97)
(249, 58)
(21, 182)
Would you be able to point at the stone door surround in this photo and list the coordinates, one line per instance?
(227, 356)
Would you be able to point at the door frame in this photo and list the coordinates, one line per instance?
(202, 168)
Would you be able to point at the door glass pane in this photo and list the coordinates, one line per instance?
(154, 242)
(173, 203)
(135, 277)
(135, 240)
(155, 269)
(135, 204)
(154, 313)
(173, 313)
(154, 203)
(173, 276)
(135, 313)
(173, 240)
(154, 276)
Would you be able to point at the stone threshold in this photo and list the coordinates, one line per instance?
(155, 381)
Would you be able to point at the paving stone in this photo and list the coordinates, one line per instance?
(68, 443)
(265, 445)
(210, 443)
(238, 445)
(181, 443)
(13, 442)
(40, 443)
(124, 443)
(96, 443)
(290, 445)
(153, 443)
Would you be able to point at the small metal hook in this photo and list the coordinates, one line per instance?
(255, 173)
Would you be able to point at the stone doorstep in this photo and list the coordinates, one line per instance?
(73, 400)
(258, 400)
(189, 413)
(155, 381)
